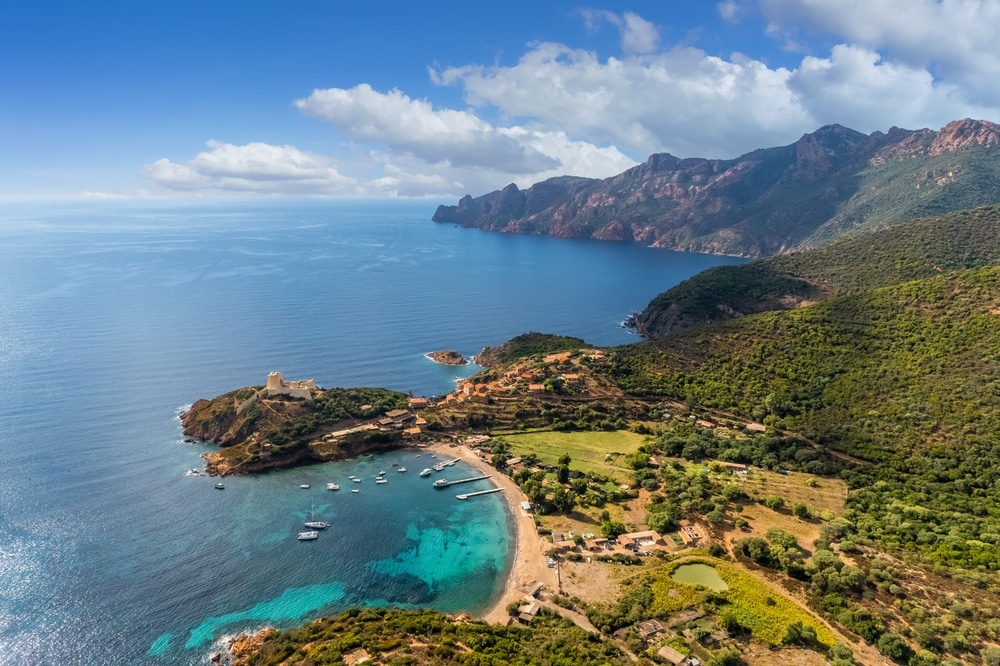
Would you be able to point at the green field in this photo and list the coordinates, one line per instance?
(591, 452)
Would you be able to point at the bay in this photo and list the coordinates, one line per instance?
(114, 316)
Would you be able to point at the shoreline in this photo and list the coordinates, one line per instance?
(529, 565)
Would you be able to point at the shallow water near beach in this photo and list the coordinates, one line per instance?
(113, 317)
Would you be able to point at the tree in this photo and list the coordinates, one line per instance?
(612, 529)
(563, 500)
(894, 647)
(843, 652)
(564, 459)
(800, 510)
(774, 502)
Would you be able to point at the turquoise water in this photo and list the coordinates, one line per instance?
(114, 317)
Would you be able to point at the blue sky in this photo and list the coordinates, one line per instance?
(377, 99)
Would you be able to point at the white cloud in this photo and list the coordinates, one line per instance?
(957, 40)
(458, 138)
(637, 34)
(257, 168)
(857, 88)
(682, 100)
(730, 10)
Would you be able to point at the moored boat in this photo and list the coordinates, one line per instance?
(427, 471)
(332, 486)
(308, 536)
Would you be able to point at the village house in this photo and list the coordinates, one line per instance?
(418, 403)
(636, 541)
(705, 424)
(670, 655)
(527, 612)
(571, 378)
(400, 416)
(649, 629)
(412, 433)
(536, 388)
(689, 535)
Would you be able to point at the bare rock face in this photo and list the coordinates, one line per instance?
(765, 202)
(447, 357)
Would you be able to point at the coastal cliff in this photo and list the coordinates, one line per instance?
(770, 201)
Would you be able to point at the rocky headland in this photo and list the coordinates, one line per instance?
(257, 432)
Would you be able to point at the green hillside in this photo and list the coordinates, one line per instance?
(919, 249)
(906, 376)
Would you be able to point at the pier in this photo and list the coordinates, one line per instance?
(444, 483)
(479, 492)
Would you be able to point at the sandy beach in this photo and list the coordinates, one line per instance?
(529, 565)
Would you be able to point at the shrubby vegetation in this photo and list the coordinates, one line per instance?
(906, 377)
(428, 637)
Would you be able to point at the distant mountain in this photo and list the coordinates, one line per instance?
(770, 201)
(919, 249)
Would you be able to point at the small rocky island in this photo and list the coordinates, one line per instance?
(447, 357)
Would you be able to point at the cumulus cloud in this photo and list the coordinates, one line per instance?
(956, 40)
(258, 168)
(681, 100)
(857, 88)
(459, 138)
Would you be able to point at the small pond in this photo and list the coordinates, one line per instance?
(699, 574)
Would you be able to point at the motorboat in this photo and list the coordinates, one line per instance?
(356, 480)
(355, 491)
(442, 483)
(220, 486)
(380, 480)
(395, 464)
(308, 536)
(402, 469)
(427, 471)
(332, 486)
(304, 486)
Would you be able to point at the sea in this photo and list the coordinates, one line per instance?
(116, 316)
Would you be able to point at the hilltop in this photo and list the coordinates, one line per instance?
(831, 182)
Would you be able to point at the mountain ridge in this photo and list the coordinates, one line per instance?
(769, 201)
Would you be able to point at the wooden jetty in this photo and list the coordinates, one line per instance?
(479, 492)
(444, 483)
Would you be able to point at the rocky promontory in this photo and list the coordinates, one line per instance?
(447, 357)
(257, 432)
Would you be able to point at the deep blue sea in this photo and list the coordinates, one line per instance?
(113, 317)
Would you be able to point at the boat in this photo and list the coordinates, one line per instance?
(442, 483)
(355, 491)
(308, 536)
(427, 471)
(352, 477)
(332, 486)
(380, 480)
(402, 469)
(304, 486)
(220, 486)
(314, 524)
(395, 464)
(194, 472)
(356, 480)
